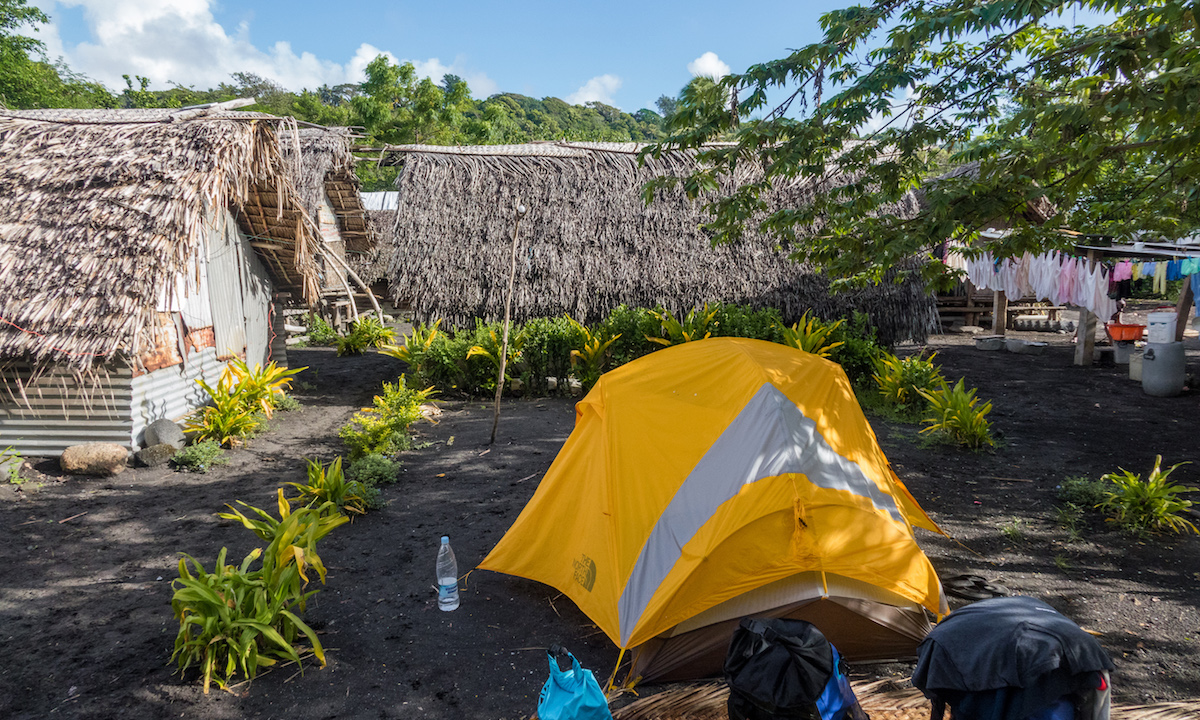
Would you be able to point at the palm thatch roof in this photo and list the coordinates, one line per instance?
(372, 266)
(326, 168)
(589, 243)
(101, 212)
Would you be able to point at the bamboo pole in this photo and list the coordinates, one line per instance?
(512, 281)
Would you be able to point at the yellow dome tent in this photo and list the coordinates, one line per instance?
(718, 479)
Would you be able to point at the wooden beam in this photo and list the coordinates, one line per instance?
(1186, 299)
(999, 312)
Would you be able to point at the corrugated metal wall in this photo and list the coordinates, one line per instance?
(256, 305)
(62, 412)
(225, 285)
(171, 392)
(279, 337)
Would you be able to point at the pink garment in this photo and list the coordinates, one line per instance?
(1066, 281)
(1123, 271)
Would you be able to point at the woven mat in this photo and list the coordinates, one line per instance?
(881, 699)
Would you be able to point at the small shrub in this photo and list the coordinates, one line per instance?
(374, 470)
(365, 332)
(487, 346)
(1014, 530)
(200, 457)
(372, 498)
(746, 322)
(546, 353)
(696, 325)
(633, 325)
(1070, 519)
(261, 388)
(957, 416)
(327, 484)
(1082, 492)
(321, 332)
(415, 349)
(589, 360)
(11, 461)
(1147, 506)
(859, 350)
(287, 403)
(383, 428)
(901, 382)
(812, 335)
(229, 419)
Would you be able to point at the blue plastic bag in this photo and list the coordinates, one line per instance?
(572, 695)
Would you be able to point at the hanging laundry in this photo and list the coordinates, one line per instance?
(1160, 278)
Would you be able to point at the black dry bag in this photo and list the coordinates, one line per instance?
(777, 669)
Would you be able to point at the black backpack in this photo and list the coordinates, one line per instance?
(777, 669)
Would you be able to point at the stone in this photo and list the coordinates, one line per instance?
(156, 454)
(166, 432)
(94, 459)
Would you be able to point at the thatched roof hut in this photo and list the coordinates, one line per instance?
(134, 242)
(372, 266)
(589, 243)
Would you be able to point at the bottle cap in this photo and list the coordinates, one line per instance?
(445, 539)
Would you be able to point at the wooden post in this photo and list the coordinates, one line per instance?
(512, 281)
(1186, 298)
(999, 313)
(1085, 334)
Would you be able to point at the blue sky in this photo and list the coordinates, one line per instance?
(623, 53)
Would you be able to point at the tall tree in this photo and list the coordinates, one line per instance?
(1030, 113)
(27, 79)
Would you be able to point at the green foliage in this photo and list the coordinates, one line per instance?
(859, 351)
(230, 419)
(696, 325)
(374, 470)
(287, 403)
(1082, 491)
(487, 346)
(327, 484)
(589, 359)
(957, 416)
(237, 619)
(321, 332)
(383, 428)
(546, 353)
(634, 326)
(901, 381)
(1014, 530)
(415, 349)
(261, 389)
(365, 332)
(11, 461)
(200, 456)
(1070, 518)
(746, 322)
(1098, 119)
(812, 335)
(1147, 506)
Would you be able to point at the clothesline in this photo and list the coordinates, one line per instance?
(1062, 278)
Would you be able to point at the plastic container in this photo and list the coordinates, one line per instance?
(1164, 369)
(447, 575)
(1118, 332)
(1161, 327)
(989, 342)
(1122, 352)
(1135, 366)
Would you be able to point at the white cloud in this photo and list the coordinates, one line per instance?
(600, 89)
(180, 41)
(708, 65)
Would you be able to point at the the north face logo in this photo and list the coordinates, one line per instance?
(585, 572)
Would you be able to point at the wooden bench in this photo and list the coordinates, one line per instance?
(1051, 311)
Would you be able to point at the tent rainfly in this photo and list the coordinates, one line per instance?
(720, 479)
(589, 243)
(139, 251)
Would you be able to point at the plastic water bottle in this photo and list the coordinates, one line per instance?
(447, 574)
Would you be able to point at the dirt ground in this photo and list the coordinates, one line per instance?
(86, 628)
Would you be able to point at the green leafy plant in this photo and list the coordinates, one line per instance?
(327, 484)
(365, 332)
(382, 429)
(696, 325)
(859, 351)
(634, 326)
(1062, 563)
(1070, 518)
(1082, 491)
(588, 361)
(260, 388)
(812, 335)
(901, 381)
(957, 415)
(1014, 530)
(200, 456)
(1147, 506)
(233, 619)
(374, 470)
(230, 418)
(287, 403)
(321, 332)
(415, 348)
(10, 461)
(488, 347)
(546, 354)
(747, 322)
